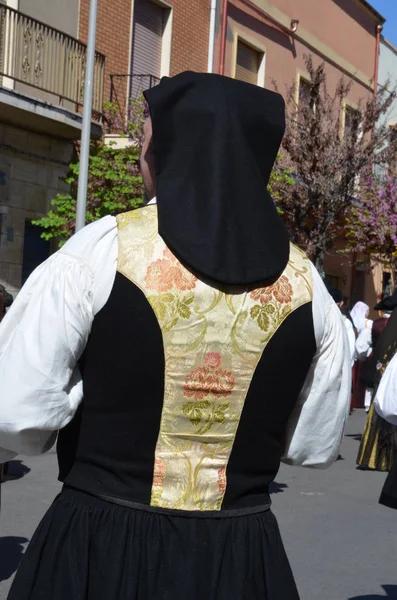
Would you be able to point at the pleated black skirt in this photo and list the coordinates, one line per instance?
(88, 549)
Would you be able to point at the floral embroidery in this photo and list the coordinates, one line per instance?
(262, 315)
(213, 360)
(209, 380)
(160, 471)
(165, 273)
(202, 382)
(222, 480)
(283, 290)
(160, 276)
(272, 299)
(204, 391)
(263, 295)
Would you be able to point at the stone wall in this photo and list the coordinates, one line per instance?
(31, 166)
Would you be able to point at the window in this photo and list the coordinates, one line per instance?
(248, 63)
(352, 118)
(147, 41)
(304, 92)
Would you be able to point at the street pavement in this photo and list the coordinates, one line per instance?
(341, 543)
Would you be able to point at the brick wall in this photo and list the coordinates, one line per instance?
(190, 34)
(113, 35)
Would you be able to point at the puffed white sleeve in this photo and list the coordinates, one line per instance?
(42, 338)
(386, 396)
(317, 424)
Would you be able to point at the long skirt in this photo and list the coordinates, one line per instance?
(378, 443)
(358, 394)
(90, 549)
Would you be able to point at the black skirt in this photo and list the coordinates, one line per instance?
(88, 549)
(388, 495)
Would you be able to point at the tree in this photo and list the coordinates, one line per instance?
(114, 181)
(327, 159)
(372, 224)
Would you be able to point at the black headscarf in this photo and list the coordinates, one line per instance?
(215, 141)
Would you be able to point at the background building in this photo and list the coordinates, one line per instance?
(42, 59)
(41, 92)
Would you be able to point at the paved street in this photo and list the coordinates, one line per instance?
(341, 543)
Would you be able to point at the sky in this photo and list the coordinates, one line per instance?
(388, 9)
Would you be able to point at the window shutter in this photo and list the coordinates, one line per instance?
(247, 63)
(146, 44)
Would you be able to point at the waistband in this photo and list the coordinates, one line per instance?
(85, 496)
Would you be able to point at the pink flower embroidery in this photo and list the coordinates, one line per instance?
(184, 280)
(209, 379)
(160, 276)
(213, 360)
(263, 295)
(222, 480)
(167, 272)
(281, 291)
(159, 473)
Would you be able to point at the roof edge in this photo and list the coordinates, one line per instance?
(373, 11)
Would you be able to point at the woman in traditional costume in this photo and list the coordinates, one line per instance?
(379, 440)
(182, 351)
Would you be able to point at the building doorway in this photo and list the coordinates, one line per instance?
(35, 249)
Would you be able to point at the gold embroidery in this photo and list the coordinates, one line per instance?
(212, 344)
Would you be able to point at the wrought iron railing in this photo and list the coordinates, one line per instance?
(36, 55)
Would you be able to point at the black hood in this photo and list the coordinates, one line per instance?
(215, 141)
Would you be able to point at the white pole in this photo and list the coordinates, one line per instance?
(86, 127)
(211, 45)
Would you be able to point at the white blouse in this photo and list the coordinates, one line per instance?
(386, 396)
(46, 330)
(364, 342)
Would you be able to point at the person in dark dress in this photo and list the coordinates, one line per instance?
(385, 405)
(182, 350)
(379, 441)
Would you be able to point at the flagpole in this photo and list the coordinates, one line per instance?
(86, 126)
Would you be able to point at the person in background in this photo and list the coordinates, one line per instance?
(379, 440)
(347, 320)
(359, 314)
(366, 344)
(385, 405)
(7, 300)
(182, 350)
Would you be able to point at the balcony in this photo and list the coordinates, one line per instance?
(45, 65)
